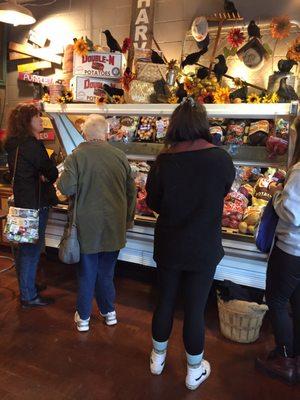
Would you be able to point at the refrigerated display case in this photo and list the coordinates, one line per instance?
(242, 263)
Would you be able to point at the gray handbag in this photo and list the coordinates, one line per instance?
(69, 247)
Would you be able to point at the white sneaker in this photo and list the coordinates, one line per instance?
(157, 362)
(110, 318)
(83, 325)
(195, 376)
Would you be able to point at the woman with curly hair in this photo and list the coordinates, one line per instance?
(33, 188)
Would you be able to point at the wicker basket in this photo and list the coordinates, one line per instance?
(241, 321)
(149, 72)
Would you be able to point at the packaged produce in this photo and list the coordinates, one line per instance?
(217, 131)
(140, 172)
(276, 146)
(234, 206)
(282, 128)
(258, 133)
(123, 128)
(146, 129)
(86, 89)
(235, 132)
(162, 124)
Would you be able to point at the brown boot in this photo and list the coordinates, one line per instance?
(298, 368)
(278, 366)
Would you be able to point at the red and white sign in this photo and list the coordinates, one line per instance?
(42, 80)
(87, 89)
(47, 135)
(101, 65)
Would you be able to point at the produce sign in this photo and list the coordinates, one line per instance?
(42, 80)
(50, 135)
(87, 89)
(101, 65)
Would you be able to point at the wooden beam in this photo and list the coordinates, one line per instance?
(43, 54)
(13, 55)
(34, 66)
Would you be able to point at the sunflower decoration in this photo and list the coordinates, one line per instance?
(235, 37)
(173, 99)
(68, 95)
(61, 100)
(280, 27)
(46, 98)
(253, 98)
(270, 98)
(189, 85)
(100, 100)
(118, 99)
(294, 51)
(81, 47)
(221, 95)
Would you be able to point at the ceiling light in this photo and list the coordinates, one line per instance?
(15, 14)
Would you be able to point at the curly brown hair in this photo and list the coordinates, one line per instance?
(19, 120)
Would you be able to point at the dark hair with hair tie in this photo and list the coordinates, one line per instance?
(188, 122)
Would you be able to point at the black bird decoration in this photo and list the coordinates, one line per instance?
(286, 65)
(181, 93)
(202, 73)
(253, 30)
(204, 43)
(156, 58)
(193, 58)
(240, 93)
(286, 93)
(113, 91)
(230, 7)
(220, 68)
(111, 42)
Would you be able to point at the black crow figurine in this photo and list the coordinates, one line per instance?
(202, 73)
(181, 93)
(113, 91)
(111, 42)
(253, 30)
(230, 7)
(220, 68)
(193, 58)
(286, 93)
(156, 58)
(240, 93)
(286, 65)
(204, 43)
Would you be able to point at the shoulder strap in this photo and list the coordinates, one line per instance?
(15, 166)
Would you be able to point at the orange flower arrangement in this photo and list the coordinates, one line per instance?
(294, 51)
(280, 27)
(81, 47)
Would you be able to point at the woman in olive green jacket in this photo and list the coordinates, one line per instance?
(101, 176)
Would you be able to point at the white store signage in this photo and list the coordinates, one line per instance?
(100, 65)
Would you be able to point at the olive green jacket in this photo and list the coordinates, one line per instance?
(106, 195)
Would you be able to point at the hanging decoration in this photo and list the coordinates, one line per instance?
(294, 51)
(235, 37)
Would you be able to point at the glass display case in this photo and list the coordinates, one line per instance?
(259, 137)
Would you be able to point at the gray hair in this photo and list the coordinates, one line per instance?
(95, 127)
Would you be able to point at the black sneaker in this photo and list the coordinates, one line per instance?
(38, 301)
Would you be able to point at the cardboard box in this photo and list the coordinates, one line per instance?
(86, 89)
(100, 65)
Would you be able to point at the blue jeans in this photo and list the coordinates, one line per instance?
(96, 277)
(27, 260)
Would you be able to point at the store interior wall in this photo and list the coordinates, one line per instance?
(65, 19)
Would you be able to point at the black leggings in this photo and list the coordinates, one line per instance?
(196, 287)
(283, 286)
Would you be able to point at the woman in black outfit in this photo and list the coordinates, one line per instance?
(35, 173)
(186, 187)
